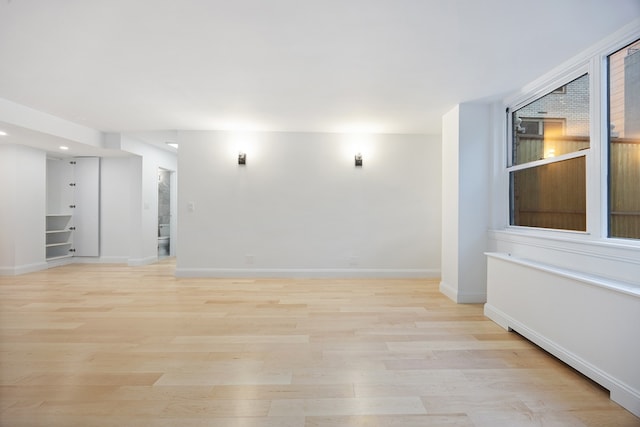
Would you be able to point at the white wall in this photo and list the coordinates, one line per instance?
(115, 213)
(465, 188)
(173, 202)
(7, 211)
(22, 209)
(301, 208)
(145, 205)
(450, 205)
(129, 201)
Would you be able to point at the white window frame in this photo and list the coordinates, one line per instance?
(594, 63)
(522, 101)
(604, 135)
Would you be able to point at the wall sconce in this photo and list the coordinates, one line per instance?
(242, 158)
(358, 159)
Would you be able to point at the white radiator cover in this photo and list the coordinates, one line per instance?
(590, 323)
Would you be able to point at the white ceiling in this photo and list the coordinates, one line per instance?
(284, 65)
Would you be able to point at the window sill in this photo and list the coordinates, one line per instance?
(616, 259)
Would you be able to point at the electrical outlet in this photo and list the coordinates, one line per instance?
(353, 260)
(249, 259)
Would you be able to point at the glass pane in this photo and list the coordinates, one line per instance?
(557, 123)
(550, 196)
(624, 142)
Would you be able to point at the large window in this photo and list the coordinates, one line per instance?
(624, 142)
(547, 174)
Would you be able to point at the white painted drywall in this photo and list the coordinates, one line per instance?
(22, 215)
(129, 201)
(115, 214)
(465, 188)
(474, 200)
(300, 207)
(7, 210)
(34, 120)
(152, 158)
(450, 204)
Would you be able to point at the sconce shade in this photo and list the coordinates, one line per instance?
(242, 158)
(358, 160)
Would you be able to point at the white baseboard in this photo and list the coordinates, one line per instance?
(23, 269)
(459, 297)
(309, 273)
(136, 262)
(102, 260)
(620, 392)
(497, 316)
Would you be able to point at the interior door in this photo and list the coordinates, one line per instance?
(86, 216)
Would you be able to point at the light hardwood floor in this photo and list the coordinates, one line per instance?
(105, 345)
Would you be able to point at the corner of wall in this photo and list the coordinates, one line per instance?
(449, 291)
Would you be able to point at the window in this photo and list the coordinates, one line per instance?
(624, 142)
(547, 174)
(552, 195)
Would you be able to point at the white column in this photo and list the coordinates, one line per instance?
(466, 134)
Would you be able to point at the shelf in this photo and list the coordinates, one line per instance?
(55, 237)
(53, 258)
(53, 245)
(57, 222)
(58, 239)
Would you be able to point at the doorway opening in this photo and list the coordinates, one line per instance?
(164, 213)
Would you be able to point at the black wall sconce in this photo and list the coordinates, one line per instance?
(358, 160)
(242, 158)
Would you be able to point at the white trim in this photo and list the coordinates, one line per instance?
(549, 160)
(595, 166)
(601, 155)
(615, 261)
(604, 249)
(102, 260)
(589, 279)
(542, 87)
(449, 291)
(309, 273)
(136, 262)
(461, 298)
(498, 316)
(60, 261)
(23, 269)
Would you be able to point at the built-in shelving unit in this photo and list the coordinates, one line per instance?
(73, 206)
(58, 237)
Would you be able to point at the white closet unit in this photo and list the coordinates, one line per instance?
(73, 208)
(86, 213)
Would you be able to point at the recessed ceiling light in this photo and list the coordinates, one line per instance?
(64, 147)
(172, 144)
(3, 133)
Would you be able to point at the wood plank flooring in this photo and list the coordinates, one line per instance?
(111, 345)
